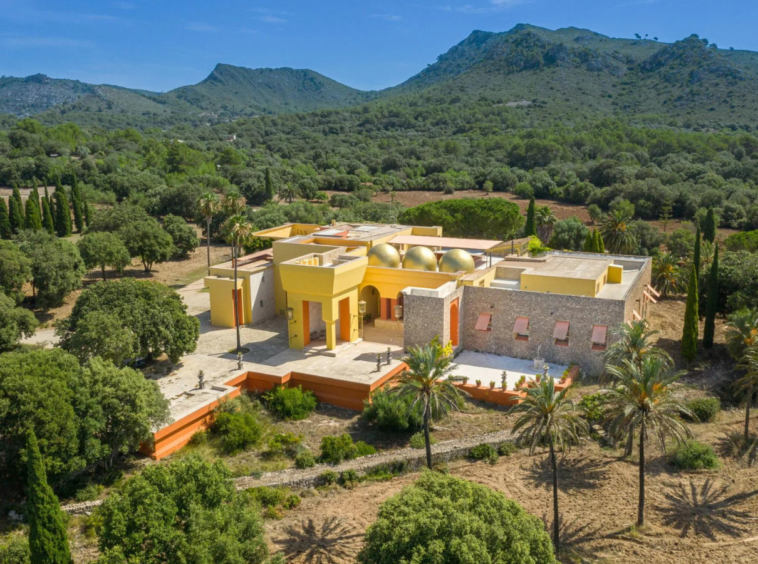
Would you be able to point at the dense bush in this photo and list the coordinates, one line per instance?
(335, 449)
(391, 412)
(291, 404)
(305, 459)
(705, 409)
(285, 443)
(349, 479)
(237, 431)
(484, 452)
(328, 478)
(181, 512)
(692, 455)
(447, 520)
(15, 551)
(418, 440)
(507, 449)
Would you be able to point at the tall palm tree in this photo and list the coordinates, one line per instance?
(209, 205)
(667, 275)
(238, 230)
(741, 332)
(748, 382)
(547, 416)
(428, 383)
(641, 398)
(545, 220)
(619, 235)
(634, 343)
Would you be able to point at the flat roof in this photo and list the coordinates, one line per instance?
(449, 242)
(250, 262)
(581, 268)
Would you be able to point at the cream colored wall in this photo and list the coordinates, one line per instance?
(560, 285)
(222, 300)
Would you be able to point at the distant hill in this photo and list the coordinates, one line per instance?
(571, 72)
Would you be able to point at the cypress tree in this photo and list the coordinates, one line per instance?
(589, 242)
(47, 217)
(5, 224)
(76, 204)
(87, 213)
(600, 243)
(689, 334)
(62, 214)
(531, 227)
(696, 252)
(270, 193)
(33, 215)
(48, 541)
(15, 212)
(711, 301)
(709, 231)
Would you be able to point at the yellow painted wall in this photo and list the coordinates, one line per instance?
(287, 230)
(559, 285)
(430, 231)
(284, 251)
(615, 274)
(480, 278)
(390, 281)
(222, 300)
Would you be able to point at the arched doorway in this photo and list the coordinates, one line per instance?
(454, 322)
(370, 295)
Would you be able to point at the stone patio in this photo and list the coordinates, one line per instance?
(489, 368)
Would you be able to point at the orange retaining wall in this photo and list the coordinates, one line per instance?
(349, 395)
(499, 396)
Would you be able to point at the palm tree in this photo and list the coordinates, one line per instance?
(238, 230)
(288, 193)
(748, 382)
(667, 275)
(547, 416)
(641, 398)
(634, 343)
(428, 382)
(741, 332)
(545, 220)
(209, 206)
(619, 235)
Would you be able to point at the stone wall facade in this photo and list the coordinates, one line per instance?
(426, 315)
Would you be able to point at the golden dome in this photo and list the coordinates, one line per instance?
(420, 258)
(456, 260)
(384, 255)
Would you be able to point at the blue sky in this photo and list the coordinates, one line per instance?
(161, 44)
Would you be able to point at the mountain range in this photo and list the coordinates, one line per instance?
(565, 71)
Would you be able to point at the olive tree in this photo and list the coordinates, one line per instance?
(101, 249)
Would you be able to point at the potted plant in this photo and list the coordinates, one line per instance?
(521, 381)
(504, 379)
(465, 380)
(478, 383)
(492, 385)
(564, 376)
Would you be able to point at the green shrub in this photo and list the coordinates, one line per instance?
(335, 449)
(592, 406)
(238, 431)
(506, 449)
(267, 496)
(305, 459)
(349, 479)
(418, 441)
(89, 493)
(385, 472)
(285, 443)
(390, 412)
(705, 409)
(484, 452)
(489, 527)
(692, 455)
(328, 478)
(291, 404)
(15, 551)
(291, 501)
(273, 512)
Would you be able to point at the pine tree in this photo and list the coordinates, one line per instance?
(16, 212)
(696, 253)
(709, 231)
(712, 300)
(589, 242)
(62, 214)
(531, 227)
(5, 224)
(270, 193)
(689, 334)
(47, 217)
(77, 206)
(48, 541)
(33, 215)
